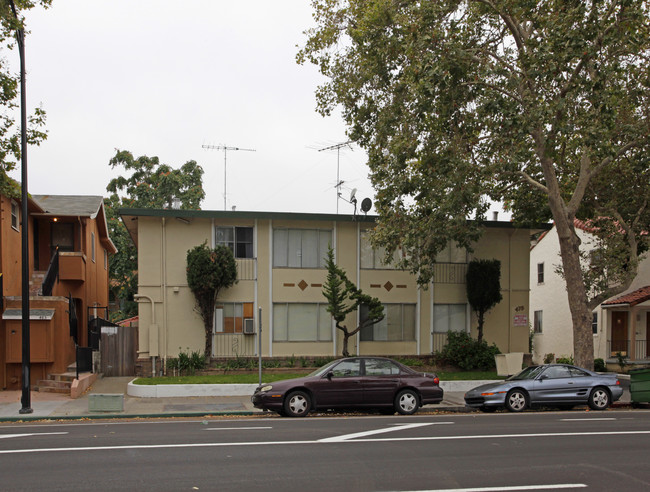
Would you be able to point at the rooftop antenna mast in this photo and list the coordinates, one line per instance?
(225, 149)
(338, 184)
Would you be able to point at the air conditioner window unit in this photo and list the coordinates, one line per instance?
(249, 326)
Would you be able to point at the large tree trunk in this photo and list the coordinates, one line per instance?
(583, 342)
(563, 216)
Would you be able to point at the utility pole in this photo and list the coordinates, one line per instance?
(225, 151)
(337, 147)
(24, 229)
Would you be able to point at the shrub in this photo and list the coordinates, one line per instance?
(549, 358)
(468, 354)
(599, 365)
(565, 359)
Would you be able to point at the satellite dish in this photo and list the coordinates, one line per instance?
(366, 203)
(352, 193)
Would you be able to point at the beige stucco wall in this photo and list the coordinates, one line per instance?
(175, 326)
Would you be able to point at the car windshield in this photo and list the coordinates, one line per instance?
(529, 373)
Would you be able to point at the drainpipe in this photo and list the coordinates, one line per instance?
(164, 293)
(153, 323)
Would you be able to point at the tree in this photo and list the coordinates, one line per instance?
(10, 152)
(208, 272)
(343, 298)
(483, 288)
(541, 104)
(150, 185)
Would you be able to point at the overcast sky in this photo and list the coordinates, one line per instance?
(163, 78)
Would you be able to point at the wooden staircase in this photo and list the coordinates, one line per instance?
(36, 283)
(56, 383)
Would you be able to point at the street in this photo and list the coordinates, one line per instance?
(531, 451)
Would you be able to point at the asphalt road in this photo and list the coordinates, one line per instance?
(575, 450)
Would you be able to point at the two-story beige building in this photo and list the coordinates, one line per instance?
(281, 269)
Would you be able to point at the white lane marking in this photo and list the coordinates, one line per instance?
(276, 443)
(235, 428)
(587, 420)
(372, 432)
(7, 436)
(514, 487)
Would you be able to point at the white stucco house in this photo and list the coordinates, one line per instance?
(620, 325)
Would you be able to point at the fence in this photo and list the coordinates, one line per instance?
(118, 350)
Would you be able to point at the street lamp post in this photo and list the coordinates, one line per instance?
(26, 396)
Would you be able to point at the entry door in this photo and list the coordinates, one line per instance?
(619, 333)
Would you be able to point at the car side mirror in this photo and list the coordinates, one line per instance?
(329, 375)
(543, 377)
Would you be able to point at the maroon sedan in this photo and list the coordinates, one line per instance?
(354, 382)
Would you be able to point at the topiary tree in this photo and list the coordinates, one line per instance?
(208, 272)
(483, 282)
(344, 297)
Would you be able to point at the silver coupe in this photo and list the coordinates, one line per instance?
(558, 385)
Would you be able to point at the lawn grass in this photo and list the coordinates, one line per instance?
(253, 378)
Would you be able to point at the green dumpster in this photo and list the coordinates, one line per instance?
(640, 385)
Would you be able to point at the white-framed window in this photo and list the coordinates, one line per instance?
(540, 273)
(301, 248)
(229, 317)
(92, 246)
(452, 254)
(398, 324)
(301, 322)
(449, 317)
(594, 323)
(238, 239)
(15, 215)
(372, 258)
(538, 321)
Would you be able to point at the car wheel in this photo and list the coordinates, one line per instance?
(599, 399)
(407, 402)
(487, 409)
(516, 400)
(297, 404)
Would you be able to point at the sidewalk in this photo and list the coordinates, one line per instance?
(53, 406)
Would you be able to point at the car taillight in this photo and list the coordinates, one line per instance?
(618, 382)
(436, 380)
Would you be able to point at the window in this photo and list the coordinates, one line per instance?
(229, 317)
(238, 239)
(594, 323)
(301, 248)
(379, 367)
(15, 223)
(301, 322)
(347, 369)
(105, 260)
(398, 324)
(540, 273)
(450, 317)
(557, 372)
(452, 254)
(374, 258)
(92, 246)
(537, 322)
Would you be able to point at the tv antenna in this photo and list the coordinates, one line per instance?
(339, 183)
(225, 149)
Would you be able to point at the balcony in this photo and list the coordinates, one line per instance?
(246, 268)
(449, 273)
(72, 266)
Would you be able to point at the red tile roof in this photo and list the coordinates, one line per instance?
(631, 299)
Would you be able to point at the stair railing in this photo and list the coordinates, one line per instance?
(52, 274)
